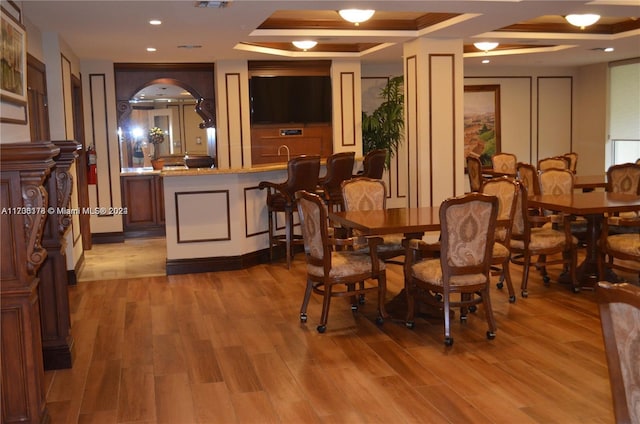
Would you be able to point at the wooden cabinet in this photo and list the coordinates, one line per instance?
(143, 196)
(300, 139)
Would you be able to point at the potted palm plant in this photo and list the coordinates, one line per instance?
(384, 127)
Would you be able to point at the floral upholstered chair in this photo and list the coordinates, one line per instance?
(506, 190)
(504, 163)
(623, 178)
(332, 272)
(361, 194)
(621, 249)
(468, 226)
(528, 242)
(556, 162)
(620, 319)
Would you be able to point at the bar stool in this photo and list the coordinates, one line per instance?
(302, 174)
(339, 169)
(373, 164)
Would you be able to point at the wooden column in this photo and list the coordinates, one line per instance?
(23, 200)
(55, 318)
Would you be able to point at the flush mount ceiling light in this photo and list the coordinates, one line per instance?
(304, 44)
(582, 21)
(485, 46)
(356, 16)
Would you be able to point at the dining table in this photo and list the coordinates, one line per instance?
(590, 182)
(594, 206)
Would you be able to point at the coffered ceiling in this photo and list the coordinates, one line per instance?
(530, 32)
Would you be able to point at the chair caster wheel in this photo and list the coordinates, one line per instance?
(575, 289)
(354, 308)
(491, 335)
(512, 299)
(379, 320)
(473, 308)
(410, 325)
(524, 294)
(448, 341)
(303, 317)
(321, 328)
(361, 299)
(463, 318)
(500, 285)
(546, 280)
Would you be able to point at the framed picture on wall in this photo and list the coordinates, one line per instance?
(482, 121)
(13, 59)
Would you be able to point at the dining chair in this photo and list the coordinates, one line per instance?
(468, 226)
(556, 181)
(302, 174)
(371, 194)
(339, 168)
(332, 272)
(621, 249)
(505, 163)
(555, 162)
(572, 157)
(474, 170)
(373, 164)
(619, 306)
(506, 190)
(623, 178)
(529, 241)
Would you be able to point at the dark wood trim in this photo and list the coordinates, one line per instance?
(288, 67)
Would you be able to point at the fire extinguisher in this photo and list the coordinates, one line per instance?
(92, 176)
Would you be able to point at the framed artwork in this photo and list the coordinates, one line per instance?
(13, 59)
(482, 121)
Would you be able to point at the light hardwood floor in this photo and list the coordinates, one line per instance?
(228, 347)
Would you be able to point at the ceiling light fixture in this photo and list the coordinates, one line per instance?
(155, 22)
(485, 46)
(151, 49)
(582, 21)
(356, 16)
(304, 44)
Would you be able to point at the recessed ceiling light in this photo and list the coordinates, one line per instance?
(609, 49)
(155, 22)
(151, 49)
(486, 61)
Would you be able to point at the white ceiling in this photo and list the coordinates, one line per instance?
(118, 31)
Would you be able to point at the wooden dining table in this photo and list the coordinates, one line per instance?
(593, 206)
(412, 222)
(590, 182)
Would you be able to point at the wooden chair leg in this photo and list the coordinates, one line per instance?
(305, 301)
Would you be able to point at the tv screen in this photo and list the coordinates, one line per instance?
(290, 99)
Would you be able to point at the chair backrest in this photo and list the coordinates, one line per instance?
(521, 227)
(302, 174)
(373, 163)
(556, 162)
(364, 194)
(474, 169)
(506, 190)
(467, 229)
(572, 157)
(619, 306)
(504, 162)
(314, 227)
(528, 175)
(624, 178)
(339, 168)
(556, 181)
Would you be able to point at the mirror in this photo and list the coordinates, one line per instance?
(172, 109)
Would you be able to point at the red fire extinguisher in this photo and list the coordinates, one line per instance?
(92, 176)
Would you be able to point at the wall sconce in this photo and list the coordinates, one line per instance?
(304, 44)
(356, 16)
(485, 46)
(582, 21)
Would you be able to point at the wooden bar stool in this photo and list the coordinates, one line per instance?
(302, 174)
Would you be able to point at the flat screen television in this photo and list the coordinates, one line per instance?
(290, 99)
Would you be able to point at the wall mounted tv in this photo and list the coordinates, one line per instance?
(290, 99)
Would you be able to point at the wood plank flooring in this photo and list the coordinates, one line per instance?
(228, 347)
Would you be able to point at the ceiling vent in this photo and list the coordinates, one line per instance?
(213, 4)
